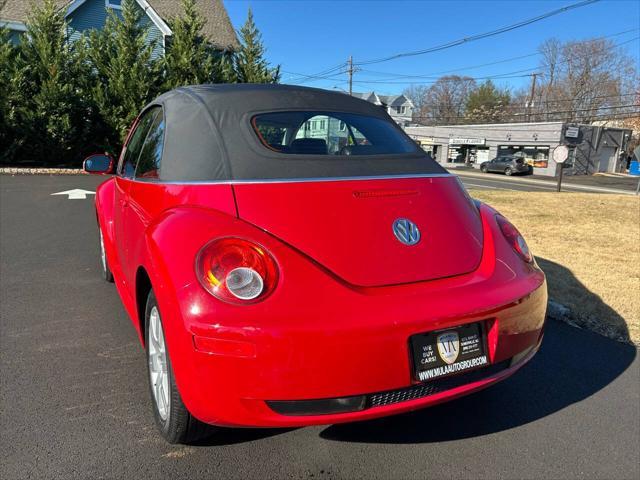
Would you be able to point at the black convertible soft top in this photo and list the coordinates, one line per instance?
(209, 136)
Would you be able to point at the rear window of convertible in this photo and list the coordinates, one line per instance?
(330, 133)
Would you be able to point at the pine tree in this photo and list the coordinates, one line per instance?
(126, 76)
(50, 110)
(190, 59)
(487, 103)
(7, 96)
(250, 64)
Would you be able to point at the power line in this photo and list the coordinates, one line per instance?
(515, 74)
(436, 75)
(319, 74)
(557, 112)
(547, 102)
(479, 36)
(498, 76)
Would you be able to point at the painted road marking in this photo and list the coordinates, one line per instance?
(76, 194)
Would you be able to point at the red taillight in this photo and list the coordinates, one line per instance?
(236, 270)
(515, 239)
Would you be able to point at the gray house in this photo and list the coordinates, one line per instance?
(83, 15)
(398, 106)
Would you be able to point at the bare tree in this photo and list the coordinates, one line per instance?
(418, 96)
(584, 81)
(445, 100)
(550, 50)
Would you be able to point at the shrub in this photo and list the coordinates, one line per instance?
(48, 105)
(62, 100)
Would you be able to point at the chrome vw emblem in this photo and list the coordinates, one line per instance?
(406, 231)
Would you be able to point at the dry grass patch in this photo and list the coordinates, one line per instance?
(589, 247)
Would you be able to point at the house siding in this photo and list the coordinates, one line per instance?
(93, 15)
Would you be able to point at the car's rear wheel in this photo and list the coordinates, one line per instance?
(172, 418)
(106, 271)
(483, 168)
(508, 171)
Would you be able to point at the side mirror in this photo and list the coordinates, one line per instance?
(99, 164)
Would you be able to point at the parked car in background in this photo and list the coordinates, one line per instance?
(290, 257)
(507, 164)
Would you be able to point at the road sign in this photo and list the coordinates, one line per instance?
(76, 194)
(560, 154)
(572, 132)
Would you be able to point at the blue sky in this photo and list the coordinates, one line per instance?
(308, 37)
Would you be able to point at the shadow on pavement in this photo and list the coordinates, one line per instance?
(231, 436)
(572, 365)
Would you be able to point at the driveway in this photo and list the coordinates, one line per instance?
(74, 400)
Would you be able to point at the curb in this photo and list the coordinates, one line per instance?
(549, 183)
(560, 313)
(41, 171)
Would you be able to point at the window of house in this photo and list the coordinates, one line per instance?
(400, 109)
(117, 4)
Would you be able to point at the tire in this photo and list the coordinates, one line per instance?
(508, 171)
(104, 264)
(483, 168)
(175, 423)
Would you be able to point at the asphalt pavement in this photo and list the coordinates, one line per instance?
(476, 180)
(74, 400)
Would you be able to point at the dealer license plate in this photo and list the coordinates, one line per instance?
(448, 352)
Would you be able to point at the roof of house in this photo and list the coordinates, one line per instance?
(368, 96)
(394, 100)
(218, 28)
(388, 100)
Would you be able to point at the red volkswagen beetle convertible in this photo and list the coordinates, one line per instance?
(290, 257)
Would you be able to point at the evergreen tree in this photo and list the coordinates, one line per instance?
(189, 59)
(227, 67)
(7, 95)
(50, 108)
(250, 64)
(487, 103)
(125, 75)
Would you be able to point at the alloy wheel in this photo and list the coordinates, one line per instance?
(103, 255)
(158, 370)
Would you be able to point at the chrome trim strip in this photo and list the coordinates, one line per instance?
(291, 180)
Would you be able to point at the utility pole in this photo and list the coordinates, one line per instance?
(350, 72)
(533, 92)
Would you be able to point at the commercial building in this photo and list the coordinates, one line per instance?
(593, 149)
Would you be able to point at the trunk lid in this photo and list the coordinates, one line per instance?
(347, 225)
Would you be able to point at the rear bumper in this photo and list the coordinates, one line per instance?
(237, 385)
(415, 397)
(318, 338)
